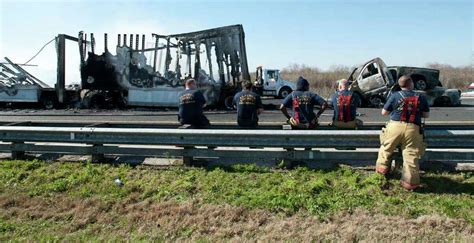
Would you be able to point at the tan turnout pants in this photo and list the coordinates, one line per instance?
(413, 148)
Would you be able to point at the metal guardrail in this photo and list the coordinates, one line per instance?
(442, 138)
(215, 125)
(321, 145)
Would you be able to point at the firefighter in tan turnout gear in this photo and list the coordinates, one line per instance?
(406, 109)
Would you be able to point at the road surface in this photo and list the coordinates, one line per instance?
(439, 115)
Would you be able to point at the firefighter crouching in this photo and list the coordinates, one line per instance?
(406, 109)
(345, 103)
(249, 106)
(191, 104)
(302, 101)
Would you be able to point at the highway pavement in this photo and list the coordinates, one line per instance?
(439, 115)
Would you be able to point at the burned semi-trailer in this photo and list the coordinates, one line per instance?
(153, 76)
(144, 73)
(18, 86)
(137, 74)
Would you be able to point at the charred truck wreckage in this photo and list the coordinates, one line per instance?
(131, 78)
(153, 74)
(150, 74)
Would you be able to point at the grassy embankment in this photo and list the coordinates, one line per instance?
(77, 201)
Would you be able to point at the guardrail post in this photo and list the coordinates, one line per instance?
(17, 153)
(96, 156)
(188, 160)
(289, 162)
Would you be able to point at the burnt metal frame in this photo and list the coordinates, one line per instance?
(206, 37)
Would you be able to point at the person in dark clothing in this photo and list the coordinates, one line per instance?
(249, 106)
(191, 104)
(395, 104)
(302, 101)
(345, 103)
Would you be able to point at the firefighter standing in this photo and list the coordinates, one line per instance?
(249, 106)
(406, 109)
(303, 101)
(191, 102)
(345, 103)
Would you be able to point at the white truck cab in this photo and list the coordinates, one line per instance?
(269, 83)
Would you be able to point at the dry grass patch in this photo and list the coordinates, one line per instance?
(323, 81)
(80, 201)
(70, 219)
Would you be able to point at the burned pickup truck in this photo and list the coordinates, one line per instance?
(423, 78)
(374, 81)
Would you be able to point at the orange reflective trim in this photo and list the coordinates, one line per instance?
(296, 109)
(344, 101)
(408, 186)
(410, 104)
(381, 170)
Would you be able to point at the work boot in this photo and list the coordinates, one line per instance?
(382, 170)
(408, 186)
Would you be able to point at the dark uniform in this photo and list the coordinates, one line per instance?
(345, 103)
(401, 109)
(190, 108)
(406, 109)
(247, 103)
(303, 103)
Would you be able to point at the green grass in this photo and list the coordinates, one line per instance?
(321, 193)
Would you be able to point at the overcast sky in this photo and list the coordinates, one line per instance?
(278, 33)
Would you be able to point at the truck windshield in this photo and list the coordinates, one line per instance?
(354, 74)
(271, 74)
(388, 76)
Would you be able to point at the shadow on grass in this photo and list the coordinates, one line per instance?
(440, 184)
(239, 168)
(255, 168)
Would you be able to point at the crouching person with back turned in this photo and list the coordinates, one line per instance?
(302, 101)
(406, 109)
(191, 104)
(249, 106)
(345, 103)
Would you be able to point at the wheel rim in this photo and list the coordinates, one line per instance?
(48, 104)
(421, 84)
(376, 101)
(284, 93)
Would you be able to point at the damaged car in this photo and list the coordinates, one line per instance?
(374, 81)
